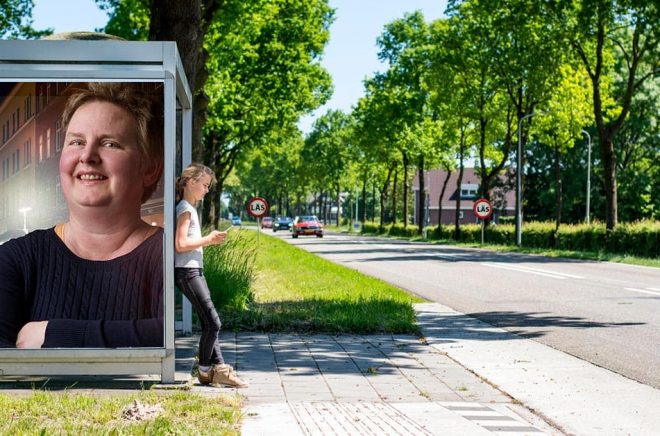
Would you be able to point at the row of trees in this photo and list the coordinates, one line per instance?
(472, 86)
(465, 88)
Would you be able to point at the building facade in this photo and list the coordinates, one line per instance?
(30, 148)
(502, 197)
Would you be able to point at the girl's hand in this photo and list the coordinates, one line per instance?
(32, 335)
(216, 237)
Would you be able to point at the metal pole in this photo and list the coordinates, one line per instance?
(588, 219)
(426, 213)
(357, 202)
(24, 211)
(519, 171)
(427, 198)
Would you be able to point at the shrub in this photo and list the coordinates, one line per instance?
(373, 229)
(582, 237)
(636, 239)
(399, 230)
(641, 238)
(539, 235)
(229, 270)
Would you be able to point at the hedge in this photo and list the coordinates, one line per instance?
(637, 239)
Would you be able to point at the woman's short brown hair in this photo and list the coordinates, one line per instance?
(143, 101)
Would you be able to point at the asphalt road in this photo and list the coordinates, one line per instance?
(605, 313)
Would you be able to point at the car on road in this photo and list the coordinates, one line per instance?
(282, 223)
(267, 222)
(307, 225)
(236, 220)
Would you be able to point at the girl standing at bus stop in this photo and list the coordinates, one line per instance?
(191, 187)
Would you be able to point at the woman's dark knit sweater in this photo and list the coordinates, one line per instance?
(113, 303)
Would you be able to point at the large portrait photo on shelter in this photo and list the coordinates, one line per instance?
(81, 215)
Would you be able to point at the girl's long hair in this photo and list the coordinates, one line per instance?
(194, 171)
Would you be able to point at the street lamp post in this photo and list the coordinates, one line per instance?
(426, 204)
(519, 171)
(24, 211)
(588, 219)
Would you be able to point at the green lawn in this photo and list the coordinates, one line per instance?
(297, 291)
(77, 414)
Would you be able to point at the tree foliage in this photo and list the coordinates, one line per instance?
(16, 20)
(452, 91)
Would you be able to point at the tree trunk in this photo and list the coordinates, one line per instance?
(421, 204)
(558, 193)
(396, 178)
(442, 195)
(459, 181)
(186, 22)
(405, 190)
(363, 209)
(373, 203)
(338, 204)
(609, 162)
(383, 198)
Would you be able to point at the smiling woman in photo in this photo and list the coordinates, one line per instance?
(97, 279)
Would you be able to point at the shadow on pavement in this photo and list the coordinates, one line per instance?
(448, 255)
(448, 328)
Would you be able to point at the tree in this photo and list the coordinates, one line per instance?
(566, 114)
(596, 29)
(327, 151)
(265, 72)
(128, 19)
(16, 20)
(524, 47)
(405, 45)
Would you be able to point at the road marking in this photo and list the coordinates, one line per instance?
(654, 289)
(643, 291)
(538, 271)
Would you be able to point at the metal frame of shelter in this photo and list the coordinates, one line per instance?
(107, 61)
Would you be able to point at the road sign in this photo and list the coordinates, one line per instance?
(483, 209)
(257, 207)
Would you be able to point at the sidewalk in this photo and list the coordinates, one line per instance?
(458, 381)
(464, 377)
(365, 385)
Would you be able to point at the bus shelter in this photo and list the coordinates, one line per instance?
(34, 77)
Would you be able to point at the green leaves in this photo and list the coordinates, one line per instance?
(16, 20)
(128, 19)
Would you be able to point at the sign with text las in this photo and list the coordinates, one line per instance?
(483, 209)
(257, 207)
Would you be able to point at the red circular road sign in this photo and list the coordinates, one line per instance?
(483, 209)
(257, 207)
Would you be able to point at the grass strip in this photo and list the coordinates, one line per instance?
(297, 291)
(67, 413)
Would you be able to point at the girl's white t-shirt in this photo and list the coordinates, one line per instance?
(193, 258)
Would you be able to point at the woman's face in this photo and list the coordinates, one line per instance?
(101, 163)
(199, 188)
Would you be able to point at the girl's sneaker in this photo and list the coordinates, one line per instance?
(205, 377)
(226, 376)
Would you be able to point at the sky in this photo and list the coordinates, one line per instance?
(350, 56)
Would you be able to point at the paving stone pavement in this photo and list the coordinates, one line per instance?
(365, 385)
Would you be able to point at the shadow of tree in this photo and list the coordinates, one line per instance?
(299, 356)
(408, 252)
(486, 326)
